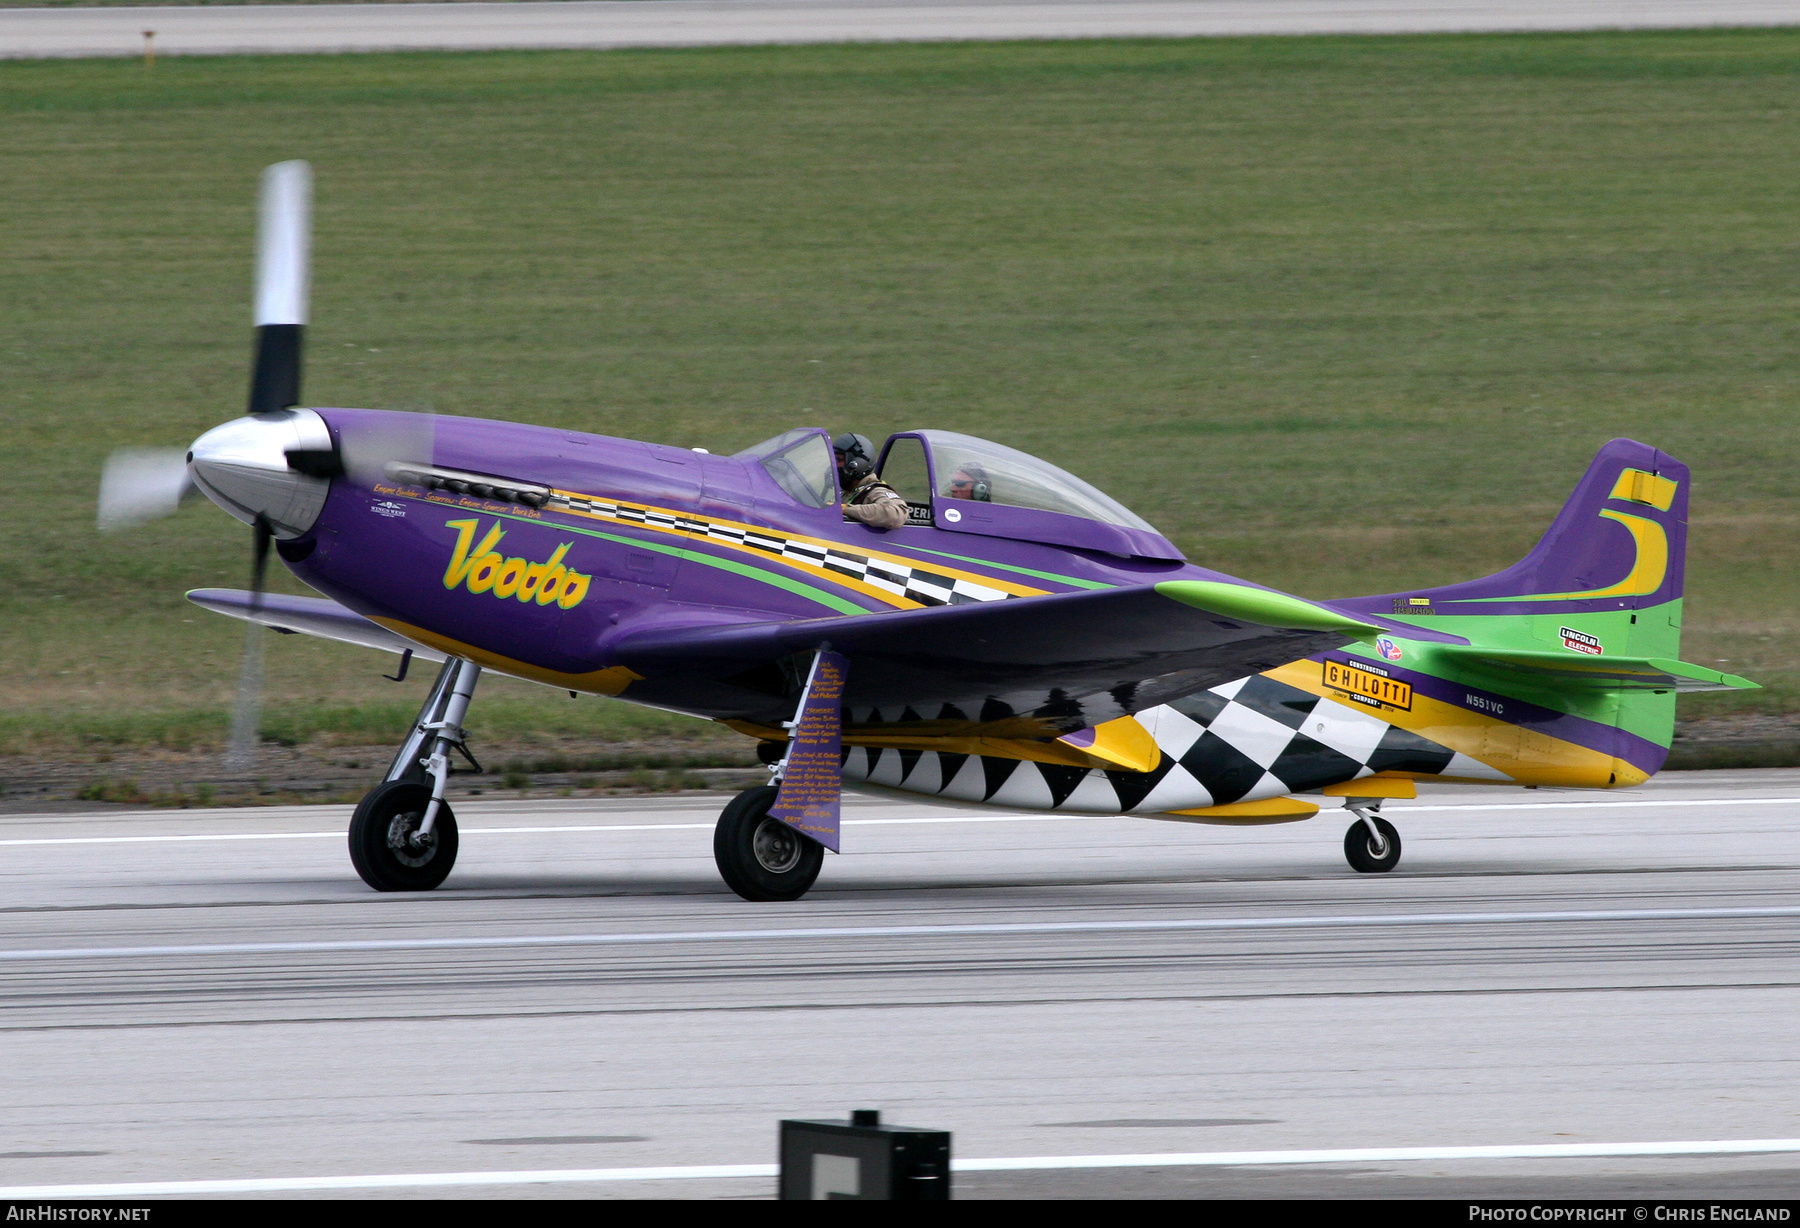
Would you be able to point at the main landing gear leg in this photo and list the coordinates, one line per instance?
(1372, 845)
(403, 835)
(762, 858)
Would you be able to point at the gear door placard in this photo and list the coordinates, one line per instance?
(811, 781)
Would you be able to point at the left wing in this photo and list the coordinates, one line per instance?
(1034, 667)
(307, 616)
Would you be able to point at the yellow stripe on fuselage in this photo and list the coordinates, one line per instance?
(612, 681)
(1528, 757)
(812, 569)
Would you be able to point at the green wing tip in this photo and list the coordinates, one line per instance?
(1259, 605)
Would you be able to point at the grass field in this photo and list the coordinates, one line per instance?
(1340, 315)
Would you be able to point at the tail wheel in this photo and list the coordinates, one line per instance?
(762, 858)
(385, 846)
(1365, 854)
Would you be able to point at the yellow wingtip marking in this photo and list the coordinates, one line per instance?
(1123, 743)
(1269, 810)
(1400, 787)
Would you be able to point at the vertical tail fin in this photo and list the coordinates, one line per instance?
(1604, 582)
(1619, 543)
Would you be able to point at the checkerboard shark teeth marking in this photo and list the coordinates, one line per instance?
(1249, 739)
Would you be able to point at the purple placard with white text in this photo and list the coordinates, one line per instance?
(812, 784)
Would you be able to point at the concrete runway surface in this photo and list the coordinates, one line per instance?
(213, 995)
(214, 30)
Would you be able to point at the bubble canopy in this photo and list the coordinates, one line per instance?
(978, 486)
(961, 484)
(979, 469)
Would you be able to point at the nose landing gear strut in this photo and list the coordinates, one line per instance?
(403, 835)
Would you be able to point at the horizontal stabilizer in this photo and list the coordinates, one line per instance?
(307, 616)
(1600, 673)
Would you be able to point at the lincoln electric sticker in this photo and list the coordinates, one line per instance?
(1581, 641)
(483, 570)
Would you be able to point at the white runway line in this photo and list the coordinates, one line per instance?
(261, 1185)
(905, 931)
(959, 818)
(512, 831)
(1178, 1159)
(283, 29)
(1636, 804)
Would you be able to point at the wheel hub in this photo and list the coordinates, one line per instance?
(408, 846)
(776, 845)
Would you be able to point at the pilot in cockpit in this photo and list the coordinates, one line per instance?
(867, 498)
(970, 481)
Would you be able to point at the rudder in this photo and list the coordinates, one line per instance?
(1618, 544)
(1605, 582)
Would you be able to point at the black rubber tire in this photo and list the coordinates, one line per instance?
(1359, 852)
(400, 804)
(788, 863)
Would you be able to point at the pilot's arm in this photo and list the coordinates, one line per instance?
(876, 504)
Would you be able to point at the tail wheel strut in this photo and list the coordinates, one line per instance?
(1372, 845)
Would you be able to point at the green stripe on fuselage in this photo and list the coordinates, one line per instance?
(799, 587)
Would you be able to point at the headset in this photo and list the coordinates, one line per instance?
(855, 456)
(981, 490)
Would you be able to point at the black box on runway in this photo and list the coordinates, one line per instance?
(861, 1158)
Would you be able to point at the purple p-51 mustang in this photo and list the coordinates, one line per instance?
(1023, 641)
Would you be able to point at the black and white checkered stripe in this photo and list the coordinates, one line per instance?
(900, 579)
(1250, 739)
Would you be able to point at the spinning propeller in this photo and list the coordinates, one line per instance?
(142, 484)
(270, 469)
(283, 280)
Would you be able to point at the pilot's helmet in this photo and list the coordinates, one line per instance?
(855, 456)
